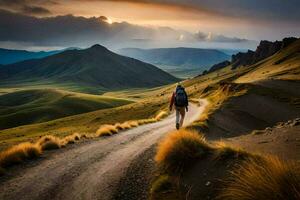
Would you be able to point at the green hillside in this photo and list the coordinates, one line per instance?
(34, 106)
(92, 70)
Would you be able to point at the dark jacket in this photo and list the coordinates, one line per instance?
(172, 102)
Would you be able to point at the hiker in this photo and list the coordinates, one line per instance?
(180, 100)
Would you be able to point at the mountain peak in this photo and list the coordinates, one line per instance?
(98, 47)
(94, 69)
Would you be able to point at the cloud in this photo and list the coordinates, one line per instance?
(35, 10)
(247, 9)
(28, 7)
(71, 30)
(210, 37)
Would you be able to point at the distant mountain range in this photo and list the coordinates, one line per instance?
(9, 56)
(90, 70)
(178, 60)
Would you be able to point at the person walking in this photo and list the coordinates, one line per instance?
(180, 100)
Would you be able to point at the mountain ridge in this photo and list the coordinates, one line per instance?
(95, 67)
(263, 51)
(178, 61)
(10, 56)
(173, 53)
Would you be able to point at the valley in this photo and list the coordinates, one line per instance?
(180, 62)
(244, 113)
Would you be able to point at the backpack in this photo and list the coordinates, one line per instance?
(181, 99)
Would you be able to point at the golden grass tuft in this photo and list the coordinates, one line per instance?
(76, 136)
(161, 115)
(265, 178)
(146, 121)
(107, 130)
(50, 145)
(70, 139)
(223, 152)
(178, 149)
(50, 142)
(133, 124)
(125, 125)
(88, 136)
(119, 126)
(19, 153)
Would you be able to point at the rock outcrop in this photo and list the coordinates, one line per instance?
(264, 50)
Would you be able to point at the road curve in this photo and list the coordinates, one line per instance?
(89, 170)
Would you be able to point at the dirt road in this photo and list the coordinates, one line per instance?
(89, 170)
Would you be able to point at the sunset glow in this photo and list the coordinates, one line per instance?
(183, 20)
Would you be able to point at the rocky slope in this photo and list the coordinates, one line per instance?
(264, 50)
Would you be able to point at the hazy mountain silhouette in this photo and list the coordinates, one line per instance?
(9, 56)
(93, 68)
(184, 57)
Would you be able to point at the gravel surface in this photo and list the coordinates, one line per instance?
(91, 170)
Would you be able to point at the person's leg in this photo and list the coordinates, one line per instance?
(182, 113)
(177, 117)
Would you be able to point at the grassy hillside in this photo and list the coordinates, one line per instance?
(92, 70)
(151, 103)
(285, 64)
(40, 105)
(252, 126)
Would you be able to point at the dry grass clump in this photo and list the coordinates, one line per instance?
(19, 153)
(119, 126)
(88, 136)
(109, 129)
(161, 115)
(50, 142)
(146, 121)
(23, 151)
(133, 124)
(179, 149)
(125, 125)
(70, 139)
(266, 178)
(106, 130)
(225, 152)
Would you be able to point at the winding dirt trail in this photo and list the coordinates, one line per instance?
(89, 170)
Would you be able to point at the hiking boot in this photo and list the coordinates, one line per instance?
(177, 126)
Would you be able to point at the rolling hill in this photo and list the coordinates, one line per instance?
(9, 56)
(91, 70)
(40, 105)
(181, 62)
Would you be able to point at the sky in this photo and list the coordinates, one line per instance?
(237, 24)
